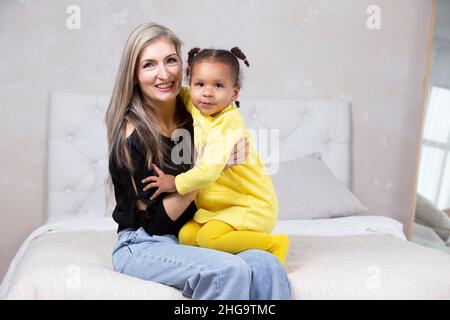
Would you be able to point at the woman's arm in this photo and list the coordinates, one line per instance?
(175, 204)
(239, 153)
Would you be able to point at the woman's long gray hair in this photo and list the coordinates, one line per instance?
(127, 103)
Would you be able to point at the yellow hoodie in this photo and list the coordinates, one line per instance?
(242, 195)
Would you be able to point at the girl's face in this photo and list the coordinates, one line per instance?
(158, 72)
(212, 87)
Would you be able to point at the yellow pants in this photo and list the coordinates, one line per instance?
(221, 236)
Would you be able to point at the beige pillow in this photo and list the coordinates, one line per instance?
(429, 215)
(307, 189)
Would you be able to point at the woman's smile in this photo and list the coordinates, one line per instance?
(166, 86)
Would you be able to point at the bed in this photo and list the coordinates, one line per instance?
(339, 250)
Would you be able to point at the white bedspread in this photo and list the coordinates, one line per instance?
(346, 226)
(344, 258)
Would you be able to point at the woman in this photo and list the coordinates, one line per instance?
(144, 112)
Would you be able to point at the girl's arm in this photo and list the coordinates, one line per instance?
(220, 142)
(166, 183)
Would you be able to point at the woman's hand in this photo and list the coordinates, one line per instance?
(164, 182)
(239, 153)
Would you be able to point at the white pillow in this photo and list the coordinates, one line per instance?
(307, 189)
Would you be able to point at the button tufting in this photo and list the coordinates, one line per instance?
(69, 137)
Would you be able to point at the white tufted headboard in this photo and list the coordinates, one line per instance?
(77, 147)
(77, 155)
(305, 126)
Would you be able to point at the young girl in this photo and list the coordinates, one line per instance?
(237, 207)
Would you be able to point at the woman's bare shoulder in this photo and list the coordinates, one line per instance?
(129, 129)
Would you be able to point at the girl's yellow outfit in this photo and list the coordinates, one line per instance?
(240, 198)
(242, 195)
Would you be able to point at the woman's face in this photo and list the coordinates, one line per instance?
(159, 72)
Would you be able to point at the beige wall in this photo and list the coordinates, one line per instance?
(297, 49)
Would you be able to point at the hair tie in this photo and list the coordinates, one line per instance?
(240, 55)
(191, 54)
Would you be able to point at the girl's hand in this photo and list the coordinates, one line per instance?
(164, 182)
(239, 153)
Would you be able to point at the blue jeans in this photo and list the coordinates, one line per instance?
(198, 272)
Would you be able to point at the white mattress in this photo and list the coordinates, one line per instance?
(346, 226)
(342, 258)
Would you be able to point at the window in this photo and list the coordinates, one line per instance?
(434, 174)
